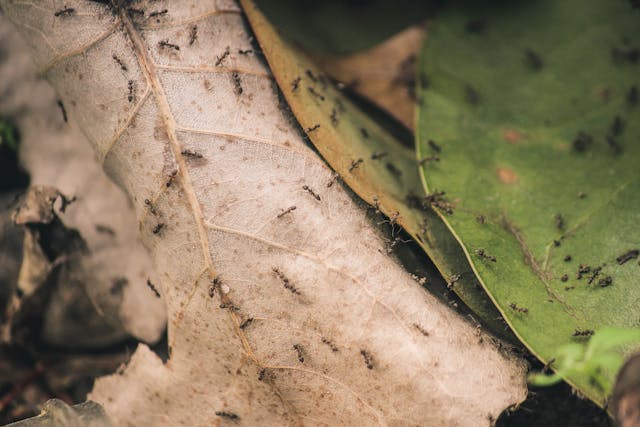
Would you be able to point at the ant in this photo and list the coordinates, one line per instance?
(313, 92)
(298, 348)
(515, 307)
(295, 84)
(310, 191)
(122, 65)
(221, 59)
(131, 86)
(483, 254)
(67, 11)
(355, 164)
(368, 360)
(153, 288)
(533, 60)
(246, 322)
(286, 211)
(237, 83)
(229, 415)
(165, 44)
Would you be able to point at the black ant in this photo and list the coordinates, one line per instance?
(193, 34)
(607, 281)
(334, 117)
(311, 129)
(482, 253)
(172, 176)
(229, 415)
(63, 110)
(286, 211)
(428, 159)
(158, 14)
(165, 44)
(311, 76)
(515, 307)
(313, 92)
(285, 281)
(122, 65)
(533, 60)
(131, 86)
(421, 329)
(582, 142)
(393, 170)
(67, 11)
(158, 227)
(133, 11)
(334, 177)
(152, 208)
(237, 82)
(310, 191)
(220, 59)
(153, 288)
(298, 348)
(435, 147)
(191, 154)
(330, 343)
(246, 322)
(295, 84)
(355, 164)
(368, 360)
(628, 256)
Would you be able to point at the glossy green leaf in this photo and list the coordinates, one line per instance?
(369, 160)
(534, 107)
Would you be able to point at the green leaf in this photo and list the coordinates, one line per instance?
(524, 99)
(387, 175)
(339, 26)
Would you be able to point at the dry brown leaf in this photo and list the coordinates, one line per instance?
(55, 153)
(384, 74)
(276, 316)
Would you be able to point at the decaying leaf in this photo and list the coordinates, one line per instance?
(385, 74)
(110, 277)
(283, 307)
(48, 245)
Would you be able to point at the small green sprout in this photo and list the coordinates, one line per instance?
(599, 359)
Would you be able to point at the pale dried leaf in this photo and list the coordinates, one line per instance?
(385, 74)
(348, 337)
